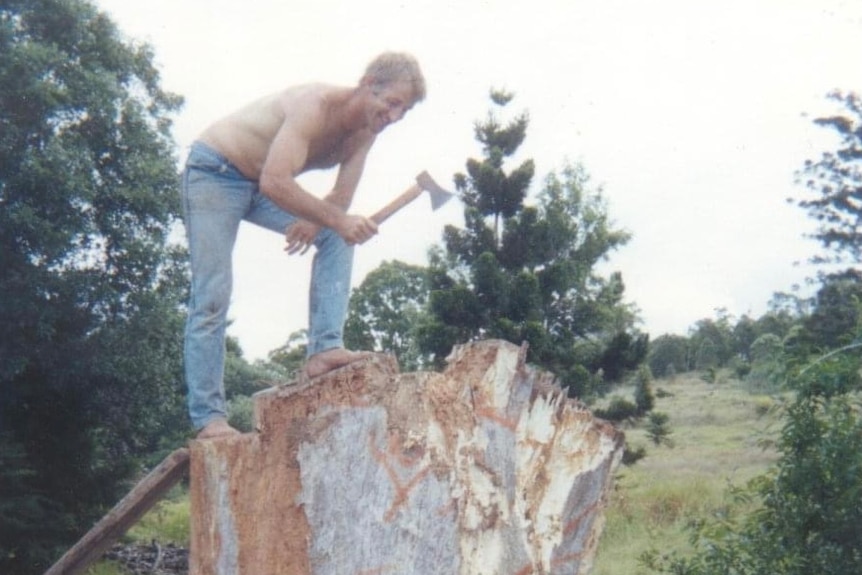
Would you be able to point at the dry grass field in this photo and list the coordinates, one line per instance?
(721, 436)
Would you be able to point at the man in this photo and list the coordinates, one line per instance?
(244, 167)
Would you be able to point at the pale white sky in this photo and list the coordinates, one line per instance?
(688, 113)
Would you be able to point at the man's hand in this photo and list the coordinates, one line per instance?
(299, 236)
(356, 229)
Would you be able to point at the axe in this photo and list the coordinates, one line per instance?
(424, 183)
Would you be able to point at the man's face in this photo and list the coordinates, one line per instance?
(389, 103)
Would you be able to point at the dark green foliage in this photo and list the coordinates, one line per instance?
(633, 455)
(242, 378)
(711, 342)
(618, 410)
(835, 181)
(623, 353)
(837, 311)
(90, 289)
(385, 311)
(658, 428)
(644, 396)
(291, 356)
(669, 353)
(527, 272)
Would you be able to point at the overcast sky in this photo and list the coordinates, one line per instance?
(692, 116)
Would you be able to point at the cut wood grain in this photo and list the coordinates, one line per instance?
(484, 469)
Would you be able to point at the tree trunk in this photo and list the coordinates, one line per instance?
(486, 468)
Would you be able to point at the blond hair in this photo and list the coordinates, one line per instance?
(390, 67)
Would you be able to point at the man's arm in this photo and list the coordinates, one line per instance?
(300, 236)
(286, 158)
(349, 174)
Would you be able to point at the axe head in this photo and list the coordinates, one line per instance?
(438, 195)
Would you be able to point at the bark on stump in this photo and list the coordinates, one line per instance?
(486, 469)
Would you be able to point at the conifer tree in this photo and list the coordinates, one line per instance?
(525, 272)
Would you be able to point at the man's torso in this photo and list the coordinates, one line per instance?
(246, 136)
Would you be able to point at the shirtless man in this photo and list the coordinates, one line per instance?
(244, 167)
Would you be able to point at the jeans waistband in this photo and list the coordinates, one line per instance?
(201, 148)
(202, 152)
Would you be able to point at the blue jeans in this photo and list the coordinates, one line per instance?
(216, 197)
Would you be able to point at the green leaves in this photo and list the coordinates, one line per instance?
(810, 505)
(526, 271)
(835, 182)
(91, 292)
(385, 310)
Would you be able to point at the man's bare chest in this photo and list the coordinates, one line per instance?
(331, 148)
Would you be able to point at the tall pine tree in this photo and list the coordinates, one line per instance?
(527, 272)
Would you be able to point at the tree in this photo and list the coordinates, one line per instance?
(712, 341)
(527, 272)
(90, 286)
(668, 355)
(837, 311)
(242, 378)
(810, 506)
(644, 395)
(385, 309)
(291, 355)
(836, 182)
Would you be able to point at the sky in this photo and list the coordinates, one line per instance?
(691, 116)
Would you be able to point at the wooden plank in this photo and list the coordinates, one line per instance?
(124, 514)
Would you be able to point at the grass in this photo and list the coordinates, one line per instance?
(166, 522)
(721, 434)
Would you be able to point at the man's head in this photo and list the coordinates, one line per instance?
(392, 67)
(394, 84)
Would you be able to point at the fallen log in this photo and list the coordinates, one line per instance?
(124, 514)
(487, 468)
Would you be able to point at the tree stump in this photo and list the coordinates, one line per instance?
(487, 468)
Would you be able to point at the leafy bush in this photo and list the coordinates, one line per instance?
(810, 506)
(241, 413)
(618, 410)
(632, 455)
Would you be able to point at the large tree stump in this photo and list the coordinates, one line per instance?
(487, 468)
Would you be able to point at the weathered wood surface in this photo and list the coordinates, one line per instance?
(485, 469)
(124, 514)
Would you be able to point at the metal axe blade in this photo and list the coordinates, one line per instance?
(438, 195)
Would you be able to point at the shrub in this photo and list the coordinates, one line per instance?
(658, 428)
(632, 455)
(241, 413)
(618, 410)
(644, 397)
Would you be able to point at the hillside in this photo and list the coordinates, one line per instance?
(720, 437)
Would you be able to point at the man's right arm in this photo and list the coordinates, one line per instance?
(287, 156)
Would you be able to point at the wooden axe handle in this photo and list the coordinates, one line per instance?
(405, 198)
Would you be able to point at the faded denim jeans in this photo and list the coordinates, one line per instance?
(216, 198)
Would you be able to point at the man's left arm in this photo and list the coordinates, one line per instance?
(299, 236)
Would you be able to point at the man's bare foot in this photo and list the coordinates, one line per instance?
(217, 428)
(326, 361)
